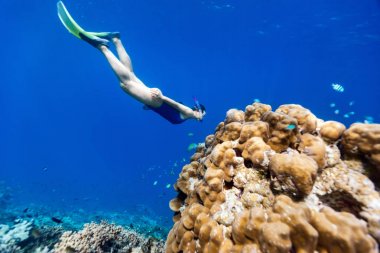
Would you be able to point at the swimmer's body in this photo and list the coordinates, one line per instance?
(152, 98)
(133, 86)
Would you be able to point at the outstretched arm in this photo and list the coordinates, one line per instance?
(185, 111)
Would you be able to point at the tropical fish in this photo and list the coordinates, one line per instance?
(256, 100)
(351, 113)
(155, 183)
(336, 111)
(346, 115)
(337, 87)
(190, 134)
(290, 127)
(168, 186)
(351, 103)
(332, 105)
(56, 220)
(368, 119)
(192, 146)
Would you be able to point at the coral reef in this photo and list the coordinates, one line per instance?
(25, 236)
(363, 139)
(105, 238)
(279, 181)
(12, 236)
(31, 229)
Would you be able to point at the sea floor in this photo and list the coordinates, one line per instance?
(38, 228)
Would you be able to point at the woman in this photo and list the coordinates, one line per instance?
(152, 98)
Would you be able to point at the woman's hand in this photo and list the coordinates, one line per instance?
(198, 115)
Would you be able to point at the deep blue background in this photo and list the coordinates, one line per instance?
(61, 107)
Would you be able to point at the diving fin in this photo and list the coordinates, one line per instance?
(76, 30)
(106, 35)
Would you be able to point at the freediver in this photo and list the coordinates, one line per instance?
(152, 98)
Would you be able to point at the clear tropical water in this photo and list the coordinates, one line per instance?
(71, 139)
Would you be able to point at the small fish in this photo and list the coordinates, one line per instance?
(337, 87)
(155, 183)
(256, 100)
(192, 146)
(336, 111)
(351, 113)
(45, 169)
(368, 119)
(168, 186)
(332, 105)
(25, 210)
(56, 220)
(190, 134)
(346, 115)
(351, 103)
(290, 127)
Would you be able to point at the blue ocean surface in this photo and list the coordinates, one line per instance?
(72, 141)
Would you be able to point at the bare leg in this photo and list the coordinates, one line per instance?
(122, 53)
(130, 83)
(123, 73)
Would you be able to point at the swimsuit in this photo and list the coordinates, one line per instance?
(169, 113)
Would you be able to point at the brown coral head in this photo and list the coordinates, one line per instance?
(234, 115)
(295, 173)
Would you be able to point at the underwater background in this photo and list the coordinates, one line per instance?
(72, 141)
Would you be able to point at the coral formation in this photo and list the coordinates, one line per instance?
(31, 230)
(363, 139)
(279, 181)
(293, 173)
(12, 236)
(106, 237)
(331, 131)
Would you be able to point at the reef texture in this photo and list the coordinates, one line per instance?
(105, 238)
(12, 236)
(279, 181)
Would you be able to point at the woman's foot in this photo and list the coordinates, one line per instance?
(94, 40)
(106, 35)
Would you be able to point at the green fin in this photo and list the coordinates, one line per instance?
(99, 34)
(106, 35)
(70, 23)
(75, 29)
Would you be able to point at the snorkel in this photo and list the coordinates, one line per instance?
(199, 107)
(197, 104)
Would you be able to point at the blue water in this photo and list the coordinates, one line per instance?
(70, 138)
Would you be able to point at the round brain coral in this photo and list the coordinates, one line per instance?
(282, 181)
